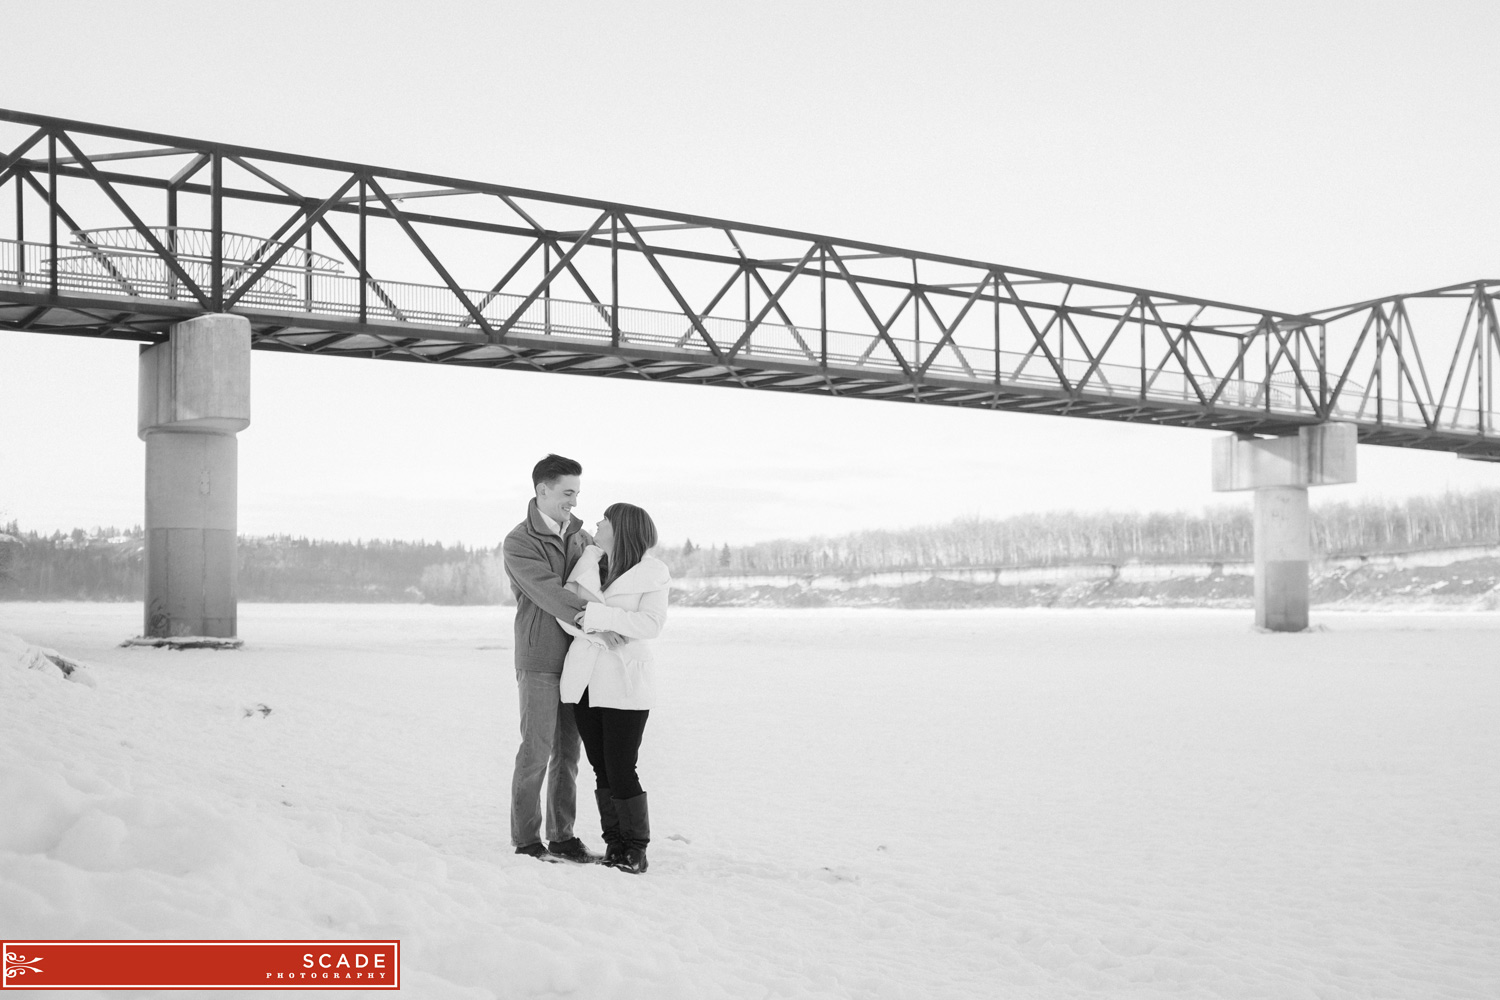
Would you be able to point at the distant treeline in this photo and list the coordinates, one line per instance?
(1221, 533)
(106, 564)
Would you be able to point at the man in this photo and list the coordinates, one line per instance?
(539, 554)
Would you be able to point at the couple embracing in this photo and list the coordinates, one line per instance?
(586, 610)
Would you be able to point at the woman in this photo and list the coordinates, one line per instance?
(610, 682)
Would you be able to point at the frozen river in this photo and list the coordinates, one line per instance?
(845, 803)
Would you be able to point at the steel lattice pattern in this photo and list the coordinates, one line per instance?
(114, 233)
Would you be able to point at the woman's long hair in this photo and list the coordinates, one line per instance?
(635, 534)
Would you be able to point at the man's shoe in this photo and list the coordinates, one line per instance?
(534, 851)
(571, 850)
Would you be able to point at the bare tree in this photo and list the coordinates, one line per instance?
(10, 544)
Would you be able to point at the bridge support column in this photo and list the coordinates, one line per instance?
(194, 398)
(1280, 470)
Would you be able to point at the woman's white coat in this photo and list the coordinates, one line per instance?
(634, 606)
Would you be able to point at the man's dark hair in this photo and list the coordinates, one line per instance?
(552, 468)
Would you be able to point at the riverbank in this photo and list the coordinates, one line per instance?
(1458, 579)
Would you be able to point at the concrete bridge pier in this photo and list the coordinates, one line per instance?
(194, 398)
(1280, 470)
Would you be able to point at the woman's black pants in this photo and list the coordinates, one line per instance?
(612, 739)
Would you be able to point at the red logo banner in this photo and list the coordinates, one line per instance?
(204, 965)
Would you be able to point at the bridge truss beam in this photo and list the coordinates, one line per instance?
(115, 233)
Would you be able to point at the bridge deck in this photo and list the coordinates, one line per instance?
(425, 323)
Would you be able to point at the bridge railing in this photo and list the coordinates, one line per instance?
(97, 270)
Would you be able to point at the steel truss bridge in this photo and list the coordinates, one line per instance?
(113, 233)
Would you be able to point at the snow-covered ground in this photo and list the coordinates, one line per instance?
(845, 803)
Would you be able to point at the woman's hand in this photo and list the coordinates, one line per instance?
(613, 640)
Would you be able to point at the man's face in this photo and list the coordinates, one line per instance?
(558, 499)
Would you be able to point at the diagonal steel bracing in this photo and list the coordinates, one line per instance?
(117, 234)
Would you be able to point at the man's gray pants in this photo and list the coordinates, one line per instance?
(549, 747)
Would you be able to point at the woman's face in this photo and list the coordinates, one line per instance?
(604, 535)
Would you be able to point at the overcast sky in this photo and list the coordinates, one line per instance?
(1290, 156)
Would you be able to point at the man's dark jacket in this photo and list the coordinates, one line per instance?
(538, 563)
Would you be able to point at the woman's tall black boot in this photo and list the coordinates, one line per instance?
(609, 823)
(635, 833)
